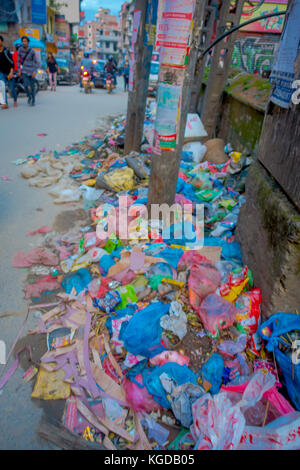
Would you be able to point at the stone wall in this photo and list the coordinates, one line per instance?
(269, 234)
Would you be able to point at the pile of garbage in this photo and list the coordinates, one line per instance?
(155, 338)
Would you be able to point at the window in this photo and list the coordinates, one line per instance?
(107, 44)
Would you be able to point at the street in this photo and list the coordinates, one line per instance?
(65, 116)
(150, 238)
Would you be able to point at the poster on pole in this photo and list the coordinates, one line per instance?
(135, 30)
(168, 105)
(174, 25)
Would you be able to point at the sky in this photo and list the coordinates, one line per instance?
(90, 7)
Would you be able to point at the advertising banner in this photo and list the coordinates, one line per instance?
(269, 25)
(39, 11)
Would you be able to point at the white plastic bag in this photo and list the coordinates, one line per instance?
(90, 194)
(198, 150)
(218, 423)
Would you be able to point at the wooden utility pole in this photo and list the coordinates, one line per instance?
(165, 163)
(137, 96)
(230, 15)
(206, 31)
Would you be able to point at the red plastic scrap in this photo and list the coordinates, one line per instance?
(34, 256)
(47, 283)
(44, 229)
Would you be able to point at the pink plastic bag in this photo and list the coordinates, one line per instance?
(216, 313)
(218, 423)
(275, 398)
(193, 257)
(170, 356)
(139, 398)
(203, 280)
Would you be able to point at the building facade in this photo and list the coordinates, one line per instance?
(101, 37)
(126, 23)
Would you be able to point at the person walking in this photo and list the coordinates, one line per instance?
(13, 81)
(6, 71)
(126, 75)
(52, 69)
(27, 67)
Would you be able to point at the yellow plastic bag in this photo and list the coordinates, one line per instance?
(50, 385)
(120, 179)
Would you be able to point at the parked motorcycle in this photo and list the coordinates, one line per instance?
(86, 81)
(109, 83)
(20, 88)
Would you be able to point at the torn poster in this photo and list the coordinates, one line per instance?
(168, 103)
(175, 19)
(135, 29)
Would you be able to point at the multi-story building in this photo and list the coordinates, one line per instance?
(101, 36)
(126, 22)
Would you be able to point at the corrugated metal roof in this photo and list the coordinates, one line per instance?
(7, 12)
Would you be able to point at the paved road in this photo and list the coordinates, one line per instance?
(65, 116)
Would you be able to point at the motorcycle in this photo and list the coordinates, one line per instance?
(86, 81)
(109, 83)
(19, 86)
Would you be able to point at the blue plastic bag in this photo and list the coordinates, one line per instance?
(280, 324)
(80, 280)
(106, 262)
(142, 335)
(232, 252)
(212, 371)
(171, 255)
(180, 375)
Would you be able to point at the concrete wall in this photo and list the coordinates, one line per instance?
(255, 54)
(269, 233)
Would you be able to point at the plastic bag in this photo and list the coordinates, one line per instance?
(35, 256)
(248, 316)
(127, 294)
(175, 321)
(216, 314)
(212, 372)
(79, 280)
(273, 331)
(143, 332)
(178, 374)
(281, 434)
(203, 280)
(232, 252)
(138, 397)
(121, 179)
(169, 356)
(197, 149)
(90, 194)
(218, 423)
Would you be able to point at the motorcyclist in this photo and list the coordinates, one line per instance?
(110, 67)
(88, 65)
